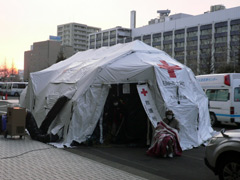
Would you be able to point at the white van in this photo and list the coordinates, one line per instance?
(14, 88)
(223, 91)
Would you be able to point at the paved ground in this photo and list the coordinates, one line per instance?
(27, 159)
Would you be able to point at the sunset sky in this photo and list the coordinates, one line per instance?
(24, 22)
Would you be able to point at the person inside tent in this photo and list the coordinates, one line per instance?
(166, 141)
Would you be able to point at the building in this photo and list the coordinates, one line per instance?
(200, 42)
(109, 37)
(75, 35)
(44, 54)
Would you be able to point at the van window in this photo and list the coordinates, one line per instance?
(21, 86)
(15, 86)
(217, 94)
(237, 94)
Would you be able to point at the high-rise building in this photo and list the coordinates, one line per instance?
(209, 39)
(75, 35)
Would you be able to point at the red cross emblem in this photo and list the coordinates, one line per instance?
(169, 68)
(144, 92)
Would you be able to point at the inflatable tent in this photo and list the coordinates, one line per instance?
(86, 79)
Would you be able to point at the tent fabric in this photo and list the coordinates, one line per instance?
(85, 78)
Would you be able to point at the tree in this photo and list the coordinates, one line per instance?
(206, 66)
(228, 68)
(60, 56)
(4, 71)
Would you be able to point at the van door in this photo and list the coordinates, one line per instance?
(219, 103)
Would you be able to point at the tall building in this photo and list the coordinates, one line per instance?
(44, 54)
(209, 39)
(76, 35)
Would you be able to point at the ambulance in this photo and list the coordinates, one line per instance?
(223, 92)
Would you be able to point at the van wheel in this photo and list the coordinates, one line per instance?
(16, 94)
(213, 118)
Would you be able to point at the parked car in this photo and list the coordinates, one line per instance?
(222, 154)
(13, 88)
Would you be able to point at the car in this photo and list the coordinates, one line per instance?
(222, 154)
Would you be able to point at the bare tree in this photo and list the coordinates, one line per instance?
(4, 71)
(60, 56)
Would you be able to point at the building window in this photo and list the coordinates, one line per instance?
(167, 38)
(156, 39)
(181, 53)
(179, 44)
(99, 36)
(113, 33)
(192, 52)
(206, 41)
(235, 27)
(179, 36)
(167, 46)
(137, 38)
(158, 47)
(206, 51)
(105, 35)
(206, 32)
(147, 41)
(235, 38)
(221, 29)
(113, 40)
(192, 43)
(192, 34)
(220, 39)
(220, 49)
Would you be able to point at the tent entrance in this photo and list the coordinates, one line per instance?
(124, 118)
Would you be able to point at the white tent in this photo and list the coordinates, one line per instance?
(86, 78)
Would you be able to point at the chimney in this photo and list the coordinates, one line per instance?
(133, 20)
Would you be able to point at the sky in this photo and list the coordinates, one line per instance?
(23, 22)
